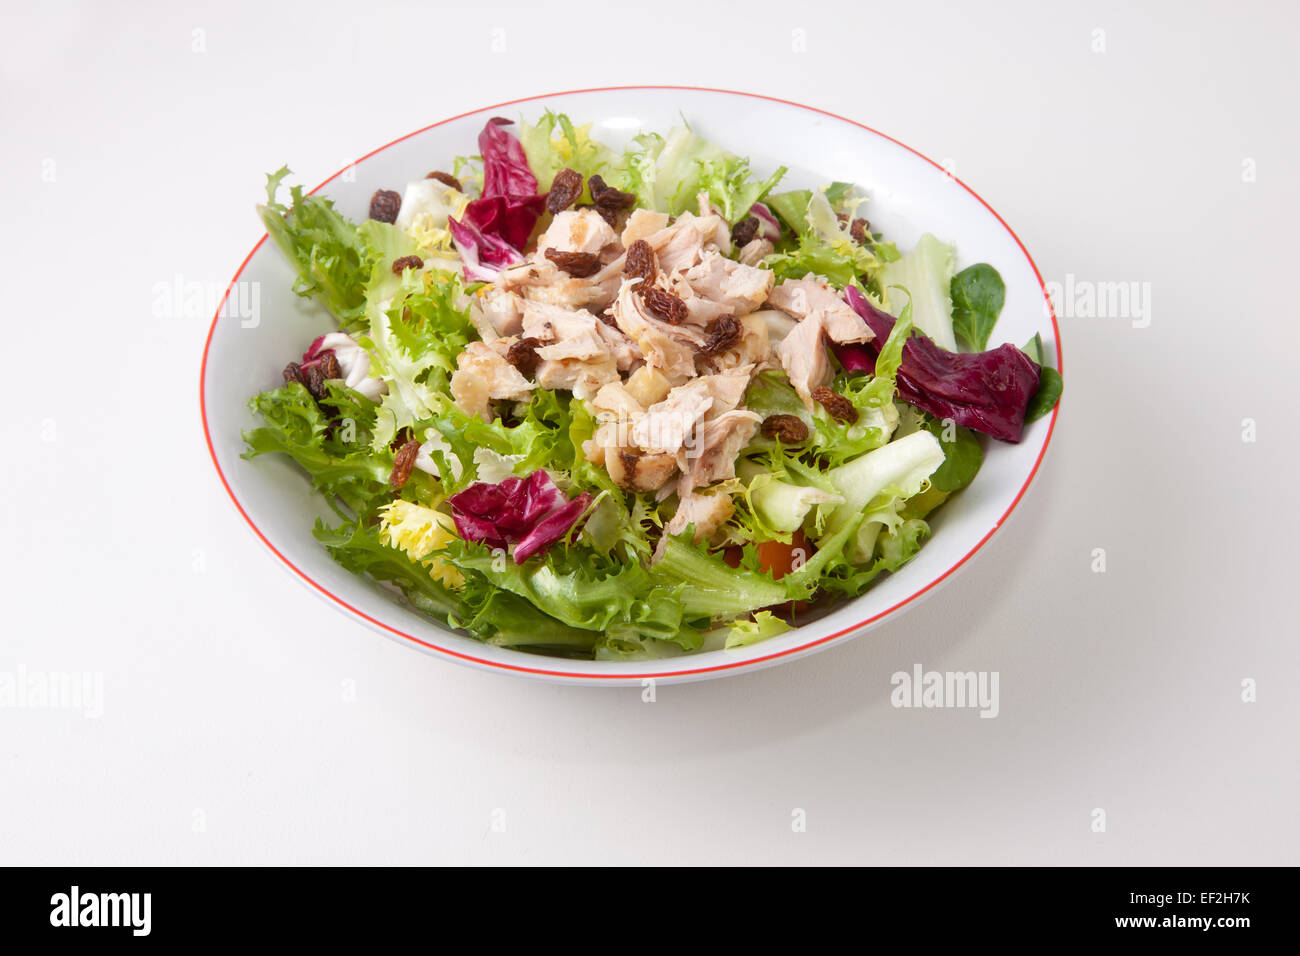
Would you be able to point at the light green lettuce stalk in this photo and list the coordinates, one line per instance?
(926, 273)
(873, 484)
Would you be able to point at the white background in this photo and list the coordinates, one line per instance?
(134, 148)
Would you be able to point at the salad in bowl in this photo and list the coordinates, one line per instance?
(638, 403)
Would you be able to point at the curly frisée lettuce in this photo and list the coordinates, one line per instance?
(549, 438)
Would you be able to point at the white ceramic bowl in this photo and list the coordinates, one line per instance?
(910, 194)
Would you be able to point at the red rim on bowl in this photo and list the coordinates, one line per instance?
(631, 675)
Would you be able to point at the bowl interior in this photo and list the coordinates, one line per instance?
(262, 325)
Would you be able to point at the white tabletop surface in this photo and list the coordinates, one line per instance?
(243, 720)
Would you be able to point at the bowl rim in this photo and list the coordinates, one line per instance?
(629, 674)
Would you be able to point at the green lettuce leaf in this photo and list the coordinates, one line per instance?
(330, 254)
(336, 454)
(927, 274)
(977, 297)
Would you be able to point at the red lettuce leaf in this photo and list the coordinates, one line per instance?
(984, 391)
(484, 255)
(496, 226)
(531, 513)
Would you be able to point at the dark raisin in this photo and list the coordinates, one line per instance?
(329, 366)
(577, 264)
(665, 305)
(640, 263)
(407, 262)
(607, 197)
(837, 406)
(843, 218)
(788, 429)
(858, 231)
(316, 382)
(384, 205)
(723, 333)
(401, 438)
(447, 179)
(523, 356)
(743, 232)
(565, 188)
(293, 373)
(606, 213)
(403, 462)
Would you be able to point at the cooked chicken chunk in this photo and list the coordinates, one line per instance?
(482, 376)
(754, 347)
(578, 230)
(739, 288)
(616, 400)
(685, 242)
(642, 224)
(713, 457)
(496, 312)
(755, 251)
(805, 297)
(637, 472)
(707, 512)
(669, 348)
(667, 426)
(802, 354)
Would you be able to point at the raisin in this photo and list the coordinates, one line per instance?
(743, 232)
(329, 366)
(837, 406)
(665, 305)
(315, 382)
(293, 373)
(858, 231)
(607, 197)
(609, 215)
(640, 263)
(842, 218)
(447, 179)
(723, 333)
(407, 262)
(403, 435)
(565, 188)
(403, 462)
(788, 429)
(384, 205)
(523, 356)
(577, 264)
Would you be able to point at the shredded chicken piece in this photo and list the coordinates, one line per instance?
(616, 400)
(641, 225)
(496, 312)
(578, 230)
(666, 426)
(754, 347)
(684, 243)
(802, 354)
(542, 282)
(713, 457)
(482, 376)
(637, 472)
(740, 289)
(805, 297)
(755, 251)
(669, 348)
(707, 512)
